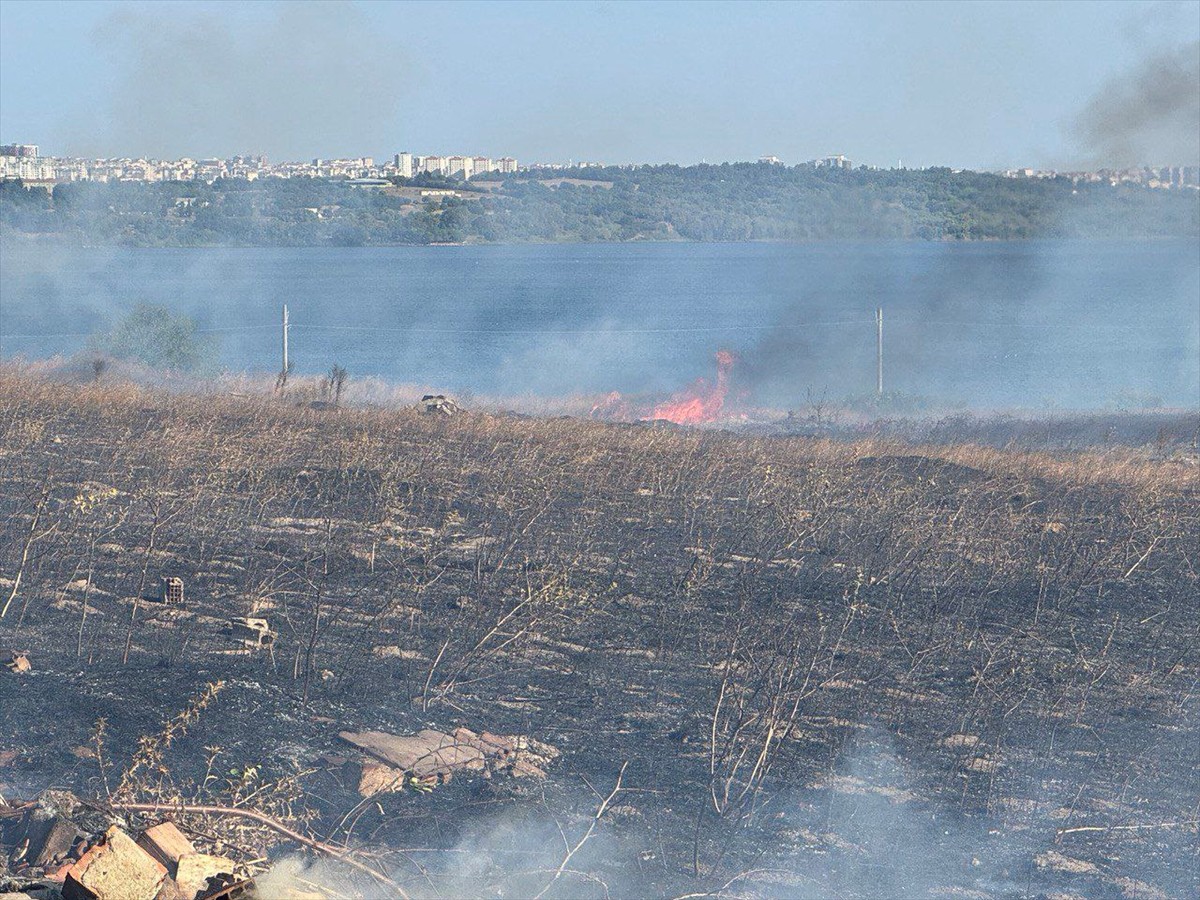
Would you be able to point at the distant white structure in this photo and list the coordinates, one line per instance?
(21, 161)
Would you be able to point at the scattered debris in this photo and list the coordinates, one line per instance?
(1055, 861)
(429, 754)
(263, 819)
(960, 741)
(391, 651)
(252, 632)
(984, 764)
(41, 837)
(432, 757)
(438, 403)
(44, 845)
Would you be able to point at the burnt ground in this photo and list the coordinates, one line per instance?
(829, 669)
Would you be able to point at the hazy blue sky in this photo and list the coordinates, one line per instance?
(980, 84)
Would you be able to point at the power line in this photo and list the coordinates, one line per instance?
(700, 329)
(596, 331)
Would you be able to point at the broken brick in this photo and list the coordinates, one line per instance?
(114, 869)
(167, 844)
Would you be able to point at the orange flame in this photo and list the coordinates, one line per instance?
(700, 403)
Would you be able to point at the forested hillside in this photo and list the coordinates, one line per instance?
(730, 202)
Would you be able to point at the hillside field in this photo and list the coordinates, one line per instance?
(771, 666)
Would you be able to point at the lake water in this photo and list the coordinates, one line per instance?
(1035, 324)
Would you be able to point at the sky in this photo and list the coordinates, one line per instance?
(982, 85)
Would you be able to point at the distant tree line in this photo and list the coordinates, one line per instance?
(729, 202)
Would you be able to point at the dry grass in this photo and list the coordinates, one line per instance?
(733, 615)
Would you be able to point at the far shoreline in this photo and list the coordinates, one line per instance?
(56, 240)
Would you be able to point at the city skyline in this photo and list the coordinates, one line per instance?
(23, 162)
(1048, 87)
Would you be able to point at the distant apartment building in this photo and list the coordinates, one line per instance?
(435, 165)
(26, 168)
(71, 170)
(22, 161)
(462, 166)
(1157, 177)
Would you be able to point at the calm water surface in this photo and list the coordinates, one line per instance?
(1032, 323)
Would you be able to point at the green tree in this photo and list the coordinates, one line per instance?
(156, 336)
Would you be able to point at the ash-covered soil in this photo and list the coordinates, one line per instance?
(818, 669)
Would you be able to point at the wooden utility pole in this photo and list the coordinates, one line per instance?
(285, 337)
(879, 351)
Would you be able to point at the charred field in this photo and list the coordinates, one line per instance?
(770, 666)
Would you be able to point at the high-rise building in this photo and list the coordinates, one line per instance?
(462, 166)
(20, 151)
(27, 168)
(436, 165)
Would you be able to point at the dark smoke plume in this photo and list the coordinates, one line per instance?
(1148, 116)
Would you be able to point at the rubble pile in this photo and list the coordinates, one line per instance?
(46, 846)
(438, 404)
(59, 847)
(251, 632)
(429, 758)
